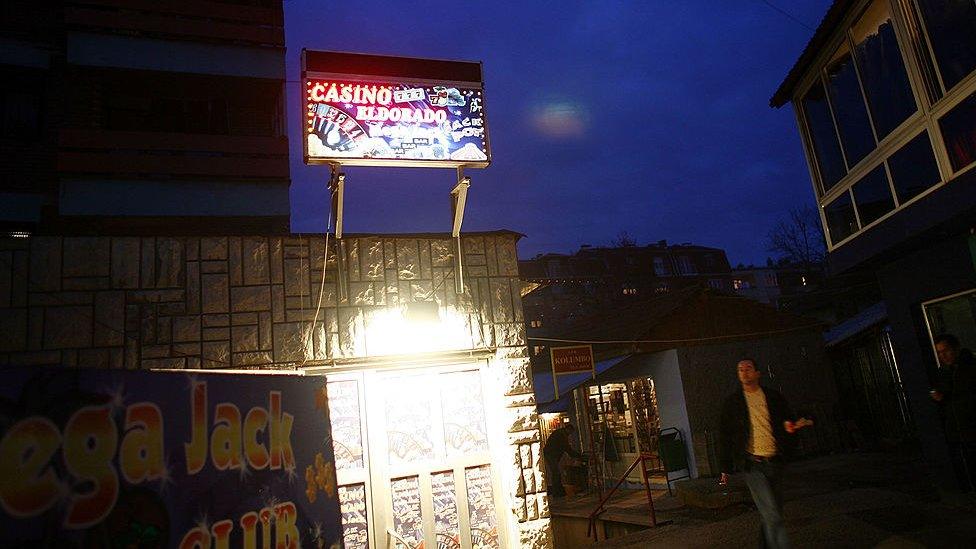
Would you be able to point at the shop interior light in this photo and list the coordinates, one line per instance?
(418, 327)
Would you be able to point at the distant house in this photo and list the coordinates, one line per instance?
(671, 363)
(885, 99)
(602, 276)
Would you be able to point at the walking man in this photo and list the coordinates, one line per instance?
(756, 429)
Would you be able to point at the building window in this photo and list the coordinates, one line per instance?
(630, 291)
(716, 283)
(21, 114)
(864, 92)
(959, 133)
(950, 25)
(872, 195)
(913, 168)
(685, 266)
(880, 82)
(535, 323)
(823, 140)
(883, 74)
(662, 288)
(660, 268)
(538, 349)
(851, 114)
(739, 284)
(841, 222)
(168, 114)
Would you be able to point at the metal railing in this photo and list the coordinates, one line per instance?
(642, 460)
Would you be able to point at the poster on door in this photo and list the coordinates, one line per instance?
(111, 458)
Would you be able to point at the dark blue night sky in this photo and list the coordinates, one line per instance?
(649, 117)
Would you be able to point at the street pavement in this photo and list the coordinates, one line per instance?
(848, 500)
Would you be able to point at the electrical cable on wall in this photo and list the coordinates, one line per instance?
(318, 306)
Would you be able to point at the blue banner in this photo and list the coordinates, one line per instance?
(108, 458)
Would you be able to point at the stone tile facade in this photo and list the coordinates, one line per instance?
(249, 302)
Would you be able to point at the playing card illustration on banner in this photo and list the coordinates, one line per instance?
(110, 458)
(481, 508)
(355, 529)
(447, 527)
(397, 121)
(408, 520)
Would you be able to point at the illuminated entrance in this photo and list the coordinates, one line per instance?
(412, 459)
(623, 422)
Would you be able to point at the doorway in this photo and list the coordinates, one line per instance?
(413, 459)
(622, 423)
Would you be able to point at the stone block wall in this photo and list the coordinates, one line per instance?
(249, 302)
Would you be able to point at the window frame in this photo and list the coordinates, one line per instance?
(925, 118)
(920, 17)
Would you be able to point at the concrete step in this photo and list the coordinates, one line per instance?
(706, 493)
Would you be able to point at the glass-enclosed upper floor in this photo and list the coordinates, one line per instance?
(888, 110)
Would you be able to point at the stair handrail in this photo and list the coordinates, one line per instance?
(642, 458)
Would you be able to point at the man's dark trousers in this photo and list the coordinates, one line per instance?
(555, 478)
(765, 482)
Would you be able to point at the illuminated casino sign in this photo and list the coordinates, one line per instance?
(371, 110)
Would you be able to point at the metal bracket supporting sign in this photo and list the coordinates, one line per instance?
(337, 188)
(459, 196)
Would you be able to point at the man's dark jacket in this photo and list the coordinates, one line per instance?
(558, 444)
(957, 383)
(734, 428)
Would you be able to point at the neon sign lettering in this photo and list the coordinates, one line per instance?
(404, 123)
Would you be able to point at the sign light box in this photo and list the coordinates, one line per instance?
(371, 110)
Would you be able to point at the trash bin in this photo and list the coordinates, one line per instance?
(673, 454)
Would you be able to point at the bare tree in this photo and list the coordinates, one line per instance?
(623, 240)
(798, 238)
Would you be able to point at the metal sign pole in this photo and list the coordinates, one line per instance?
(337, 188)
(459, 196)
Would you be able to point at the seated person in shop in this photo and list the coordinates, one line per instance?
(556, 446)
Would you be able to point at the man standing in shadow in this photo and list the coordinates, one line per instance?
(557, 445)
(955, 392)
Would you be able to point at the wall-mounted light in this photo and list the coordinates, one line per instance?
(416, 327)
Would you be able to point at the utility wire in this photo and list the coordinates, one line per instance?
(690, 340)
(788, 14)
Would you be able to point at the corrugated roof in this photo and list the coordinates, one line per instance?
(863, 320)
(734, 316)
(625, 321)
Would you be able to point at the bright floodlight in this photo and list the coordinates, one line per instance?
(413, 328)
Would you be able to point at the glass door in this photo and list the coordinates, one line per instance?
(347, 412)
(432, 477)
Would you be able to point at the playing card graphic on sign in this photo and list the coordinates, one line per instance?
(361, 114)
